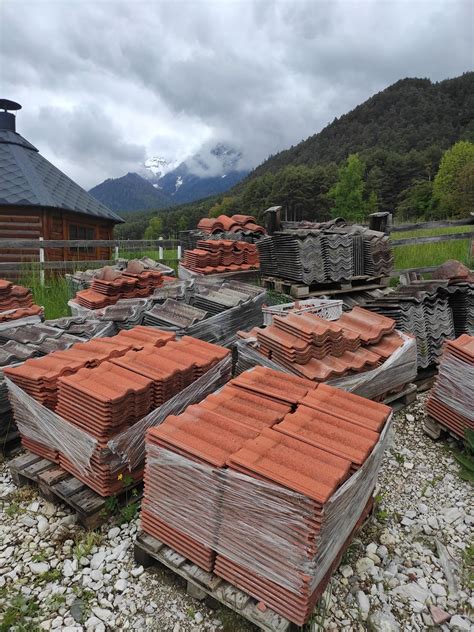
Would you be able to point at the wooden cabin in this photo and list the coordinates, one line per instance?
(38, 200)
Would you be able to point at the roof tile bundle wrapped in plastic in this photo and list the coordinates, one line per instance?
(450, 400)
(399, 369)
(325, 254)
(434, 311)
(102, 412)
(221, 308)
(360, 351)
(265, 504)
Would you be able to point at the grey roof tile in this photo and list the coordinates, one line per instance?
(27, 178)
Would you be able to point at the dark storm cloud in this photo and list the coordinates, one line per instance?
(106, 83)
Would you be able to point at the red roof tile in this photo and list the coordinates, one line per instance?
(293, 464)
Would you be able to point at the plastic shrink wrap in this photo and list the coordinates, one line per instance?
(126, 450)
(450, 400)
(399, 369)
(239, 494)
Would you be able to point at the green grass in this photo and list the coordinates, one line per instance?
(53, 295)
(428, 255)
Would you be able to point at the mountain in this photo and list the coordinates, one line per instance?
(160, 183)
(411, 114)
(129, 193)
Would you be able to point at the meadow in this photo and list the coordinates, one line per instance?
(428, 255)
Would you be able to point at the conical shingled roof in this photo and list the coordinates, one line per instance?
(27, 178)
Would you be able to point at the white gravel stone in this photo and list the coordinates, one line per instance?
(42, 526)
(113, 533)
(121, 585)
(198, 618)
(38, 568)
(438, 590)
(459, 623)
(364, 564)
(98, 560)
(102, 613)
(364, 603)
(68, 568)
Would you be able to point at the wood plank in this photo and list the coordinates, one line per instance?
(427, 270)
(431, 240)
(86, 501)
(90, 243)
(67, 487)
(33, 470)
(23, 461)
(52, 476)
(438, 224)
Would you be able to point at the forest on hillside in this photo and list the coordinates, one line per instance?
(385, 155)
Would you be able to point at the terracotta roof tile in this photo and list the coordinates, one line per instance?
(274, 384)
(369, 325)
(202, 433)
(358, 410)
(293, 464)
(329, 432)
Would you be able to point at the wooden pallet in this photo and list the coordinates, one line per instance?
(203, 585)
(56, 485)
(403, 398)
(300, 290)
(434, 429)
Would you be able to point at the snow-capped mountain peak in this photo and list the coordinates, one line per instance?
(156, 167)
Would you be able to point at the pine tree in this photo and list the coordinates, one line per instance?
(348, 191)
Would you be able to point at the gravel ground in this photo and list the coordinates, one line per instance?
(407, 570)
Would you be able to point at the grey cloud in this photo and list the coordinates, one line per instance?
(103, 82)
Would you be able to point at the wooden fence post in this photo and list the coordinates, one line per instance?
(179, 252)
(160, 250)
(41, 262)
(116, 257)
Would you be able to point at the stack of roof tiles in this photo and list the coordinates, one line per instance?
(423, 309)
(238, 484)
(111, 285)
(215, 257)
(106, 385)
(16, 302)
(318, 349)
(325, 255)
(234, 224)
(450, 400)
(235, 228)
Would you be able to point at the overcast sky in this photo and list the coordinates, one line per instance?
(105, 84)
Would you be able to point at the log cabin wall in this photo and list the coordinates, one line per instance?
(33, 222)
(17, 223)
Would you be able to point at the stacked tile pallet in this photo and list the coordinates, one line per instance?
(19, 343)
(16, 302)
(219, 256)
(318, 349)
(434, 311)
(82, 279)
(110, 286)
(450, 400)
(235, 228)
(325, 255)
(243, 484)
(209, 309)
(99, 389)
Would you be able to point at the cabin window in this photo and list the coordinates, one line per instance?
(76, 231)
